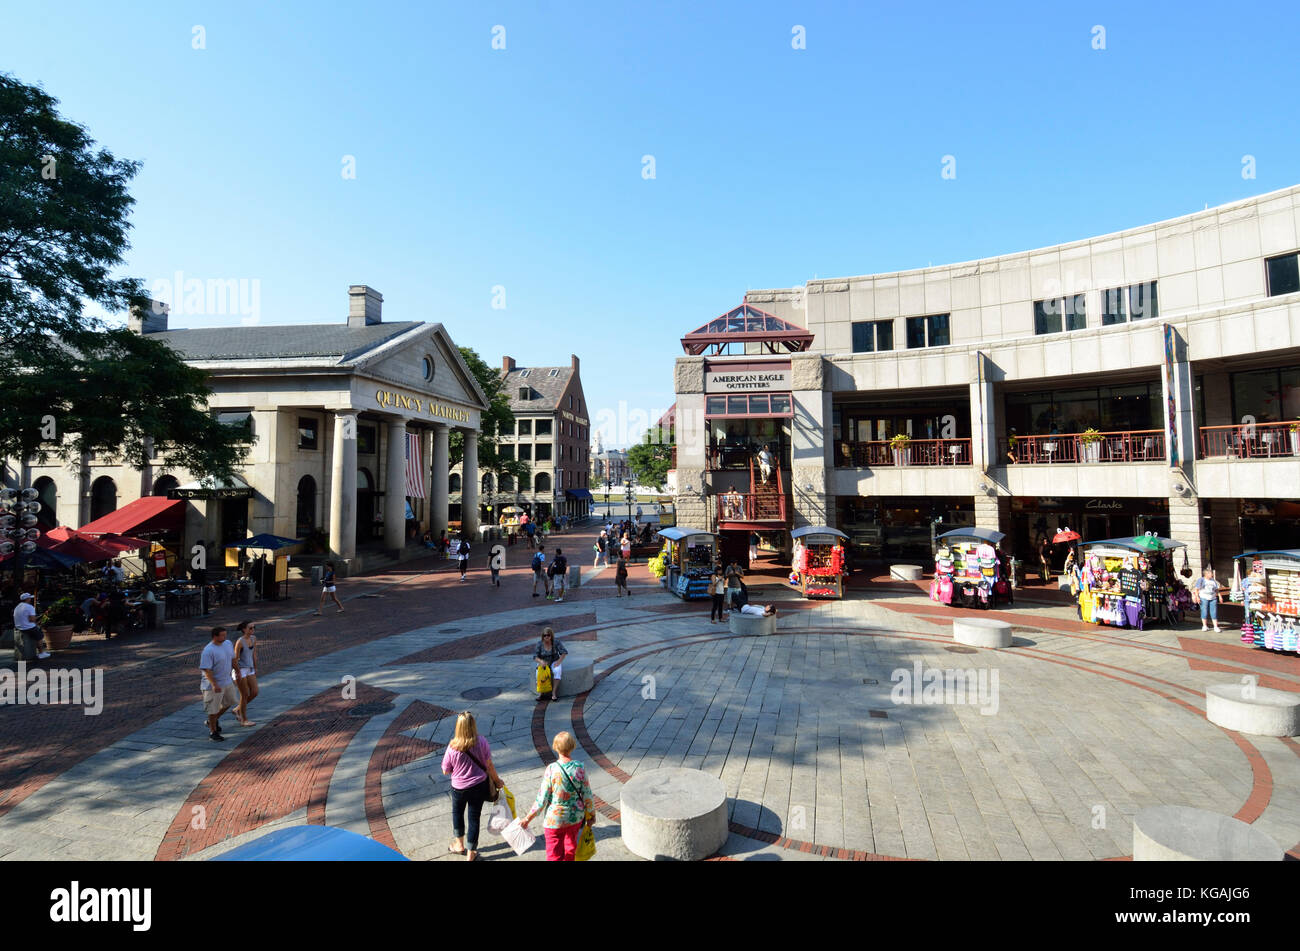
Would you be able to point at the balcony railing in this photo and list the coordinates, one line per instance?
(919, 452)
(1145, 445)
(751, 507)
(738, 457)
(1253, 441)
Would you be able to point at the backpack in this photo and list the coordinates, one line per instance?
(537, 561)
(560, 565)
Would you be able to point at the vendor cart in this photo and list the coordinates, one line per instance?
(1131, 582)
(818, 564)
(689, 554)
(1267, 583)
(970, 570)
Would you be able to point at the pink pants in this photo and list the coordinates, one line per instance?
(562, 843)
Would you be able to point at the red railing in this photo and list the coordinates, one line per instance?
(767, 505)
(1145, 445)
(919, 452)
(738, 457)
(1252, 441)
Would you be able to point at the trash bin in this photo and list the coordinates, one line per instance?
(575, 576)
(317, 572)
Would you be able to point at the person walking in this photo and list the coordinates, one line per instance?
(530, 528)
(1045, 559)
(462, 557)
(733, 586)
(551, 653)
(538, 564)
(566, 801)
(1209, 589)
(717, 588)
(216, 663)
(246, 669)
(329, 588)
(601, 546)
(468, 761)
(559, 572)
(625, 543)
(753, 548)
(620, 579)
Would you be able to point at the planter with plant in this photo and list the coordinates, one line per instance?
(1090, 442)
(57, 621)
(900, 445)
(1294, 429)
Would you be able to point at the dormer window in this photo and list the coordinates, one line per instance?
(525, 393)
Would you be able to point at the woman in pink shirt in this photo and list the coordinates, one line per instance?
(468, 761)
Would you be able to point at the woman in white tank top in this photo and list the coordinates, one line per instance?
(246, 669)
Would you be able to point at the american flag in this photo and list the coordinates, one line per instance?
(414, 471)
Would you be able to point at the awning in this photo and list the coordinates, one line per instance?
(1139, 543)
(579, 494)
(144, 516)
(816, 530)
(210, 488)
(992, 536)
(266, 540)
(677, 534)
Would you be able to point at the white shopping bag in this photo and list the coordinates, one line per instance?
(500, 816)
(520, 839)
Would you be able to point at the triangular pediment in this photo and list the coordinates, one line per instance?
(405, 363)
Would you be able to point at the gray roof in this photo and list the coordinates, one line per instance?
(325, 341)
(547, 389)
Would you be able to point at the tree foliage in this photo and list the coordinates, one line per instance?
(496, 422)
(650, 462)
(69, 382)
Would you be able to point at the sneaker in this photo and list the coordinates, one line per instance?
(557, 599)
(42, 655)
(534, 594)
(217, 737)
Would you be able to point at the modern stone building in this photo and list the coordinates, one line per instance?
(329, 407)
(551, 434)
(1146, 380)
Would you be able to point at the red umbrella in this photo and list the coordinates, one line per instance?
(1065, 535)
(83, 548)
(120, 543)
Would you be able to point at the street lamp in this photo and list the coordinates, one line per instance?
(631, 497)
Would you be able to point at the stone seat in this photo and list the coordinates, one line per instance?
(1261, 711)
(1183, 834)
(747, 624)
(981, 632)
(578, 676)
(673, 813)
(905, 572)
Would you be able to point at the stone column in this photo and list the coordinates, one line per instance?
(426, 457)
(395, 485)
(343, 485)
(440, 469)
(469, 485)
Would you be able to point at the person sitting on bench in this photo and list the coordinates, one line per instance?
(759, 610)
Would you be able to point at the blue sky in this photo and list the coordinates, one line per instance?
(521, 168)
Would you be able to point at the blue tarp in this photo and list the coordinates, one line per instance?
(312, 844)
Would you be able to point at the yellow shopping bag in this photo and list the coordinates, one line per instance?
(510, 801)
(586, 844)
(544, 679)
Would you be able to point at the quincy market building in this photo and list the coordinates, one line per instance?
(1177, 342)
(350, 420)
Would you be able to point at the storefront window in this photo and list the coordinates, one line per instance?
(780, 405)
(1125, 408)
(1269, 396)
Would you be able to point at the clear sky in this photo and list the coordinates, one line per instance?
(521, 169)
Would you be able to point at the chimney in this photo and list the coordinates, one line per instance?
(365, 306)
(149, 318)
(573, 362)
(507, 364)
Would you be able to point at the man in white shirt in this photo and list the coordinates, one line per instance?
(758, 610)
(216, 663)
(25, 625)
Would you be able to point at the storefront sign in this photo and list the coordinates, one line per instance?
(573, 419)
(231, 493)
(429, 407)
(1109, 505)
(735, 382)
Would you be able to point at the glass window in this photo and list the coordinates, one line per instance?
(525, 427)
(737, 405)
(526, 451)
(506, 450)
(1142, 301)
(1283, 274)
(1114, 306)
(1047, 317)
(864, 337)
(1075, 316)
(237, 418)
(1270, 396)
(938, 327)
(884, 335)
(542, 452)
(307, 432)
(780, 404)
(759, 405)
(915, 333)
(366, 438)
(543, 427)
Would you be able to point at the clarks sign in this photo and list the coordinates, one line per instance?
(715, 382)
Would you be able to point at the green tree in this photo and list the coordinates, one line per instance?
(69, 382)
(497, 421)
(650, 462)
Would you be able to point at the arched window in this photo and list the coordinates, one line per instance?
(48, 516)
(306, 506)
(542, 483)
(507, 484)
(453, 482)
(103, 497)
(164, 484)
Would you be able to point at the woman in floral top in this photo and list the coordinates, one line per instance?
(567, 801)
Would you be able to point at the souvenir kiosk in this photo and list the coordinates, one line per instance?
(689, 554)
(969, 569)
(1267, 583)
(817, 565)
(1129, 582)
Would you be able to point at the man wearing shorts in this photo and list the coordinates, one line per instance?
(216, 663)
(559, 568)
(539, 572)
